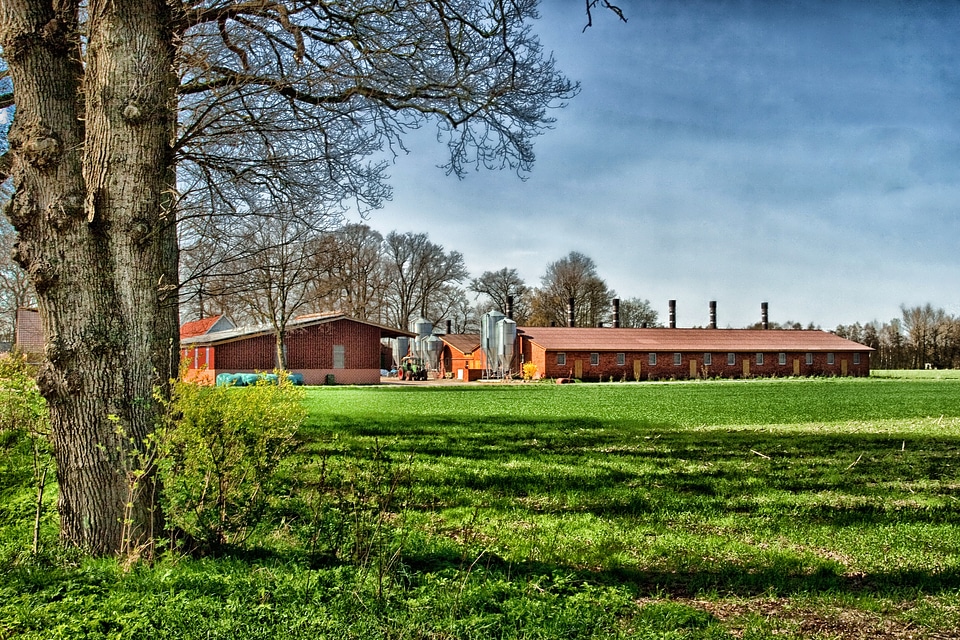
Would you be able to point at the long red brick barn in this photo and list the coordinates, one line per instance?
(317, 346)
(663, 354)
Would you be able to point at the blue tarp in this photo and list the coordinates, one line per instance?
(247, 379)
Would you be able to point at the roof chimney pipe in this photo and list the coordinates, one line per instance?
(571, 318)
(449, 327)
(616, 313)
(673, 314)
(509, 310)
(713, 314)
(764, 317)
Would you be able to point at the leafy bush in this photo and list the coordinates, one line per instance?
(219, 456)
(529, 371)
(26, 460)
(22, 408)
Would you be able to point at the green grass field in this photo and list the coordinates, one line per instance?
(824, 508)
(917, 374)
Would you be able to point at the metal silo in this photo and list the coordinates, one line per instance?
(506, 338)
(401, 346)
(422, 327)
(488, 339)
(432, 347)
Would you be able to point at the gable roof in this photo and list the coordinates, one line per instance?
(300, 322)
(716, 340)
(465, 343)
(203, 326)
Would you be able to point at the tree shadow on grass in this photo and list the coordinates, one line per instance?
(657, 473)
(726, 580)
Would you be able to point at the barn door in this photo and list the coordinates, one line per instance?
(578, 369)
(693, 368)
(746, 367)
(636, 369)
(796, 366)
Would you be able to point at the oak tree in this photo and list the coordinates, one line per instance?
(127, 111)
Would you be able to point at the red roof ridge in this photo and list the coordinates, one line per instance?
(198, 327)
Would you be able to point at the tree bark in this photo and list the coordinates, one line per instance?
(92, 172)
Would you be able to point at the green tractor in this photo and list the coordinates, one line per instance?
(412, 368)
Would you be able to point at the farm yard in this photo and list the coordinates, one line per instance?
(814, 508)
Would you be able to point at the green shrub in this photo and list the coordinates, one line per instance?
(219, 456)
(26, 460)
(22, 408)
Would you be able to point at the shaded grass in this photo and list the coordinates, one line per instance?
(744, 489)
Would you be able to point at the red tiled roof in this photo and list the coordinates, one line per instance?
(465, 343)
(240, 333)
(198, 327)
(730, 340)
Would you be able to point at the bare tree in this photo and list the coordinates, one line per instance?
(112, 95)
(574, 276)
(464, 317)
(497, 286)
(636, 312)
(349, 261)
(278, 280)
(416, 272)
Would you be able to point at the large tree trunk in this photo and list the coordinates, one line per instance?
(92, 206)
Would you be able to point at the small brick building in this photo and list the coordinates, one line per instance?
(663, 354)
(317, 346)
(462, 356)
(28, 335)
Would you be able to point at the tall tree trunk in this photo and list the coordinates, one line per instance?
(92, 206)
(280, 335)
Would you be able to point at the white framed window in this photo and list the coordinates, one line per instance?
(809, 358)
(561, 359)
(652, 360)
(782, 358)
(830, 358)
(759, 358)
(731, 359)
(621, 359)
(594, 359)
(677, 359)
(339, 356)
(707, 359)
(856, 358)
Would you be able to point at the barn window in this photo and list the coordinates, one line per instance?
(339, 356)
(782, 358)
(594, 359)
(621, 359)
(653, 360)
(677, 359)
(561, 359)
(759, 358)
(731, 359)
(856, 358)
(829, 358)
(707, 359)
(809, 358)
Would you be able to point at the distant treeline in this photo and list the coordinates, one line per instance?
(923, 337)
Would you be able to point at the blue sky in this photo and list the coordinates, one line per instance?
(804, 154)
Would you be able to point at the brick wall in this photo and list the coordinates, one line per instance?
(691, 365)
